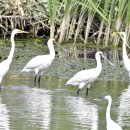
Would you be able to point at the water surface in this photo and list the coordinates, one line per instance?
(54, 106)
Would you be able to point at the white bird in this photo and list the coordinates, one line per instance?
(111, 125)
(4, 65)
(88, 76)
(126, 60)
(40, 63)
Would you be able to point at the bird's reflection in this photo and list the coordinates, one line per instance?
(4, 117)
(83, 112)
(39, 105)
(124, 108)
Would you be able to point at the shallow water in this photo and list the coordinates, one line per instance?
(55, 106)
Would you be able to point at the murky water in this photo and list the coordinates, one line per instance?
(55, 106)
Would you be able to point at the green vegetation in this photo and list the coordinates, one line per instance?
(65, 20)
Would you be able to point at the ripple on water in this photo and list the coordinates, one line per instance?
(124, 108)
(4, 117)
(83, 112)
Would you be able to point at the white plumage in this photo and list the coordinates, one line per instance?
(4, 66)
(40, 63)
(126, 60)
(111, 125)
(86, 77)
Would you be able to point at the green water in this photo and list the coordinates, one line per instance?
(55, 106)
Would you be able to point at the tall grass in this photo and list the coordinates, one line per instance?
(69, 19)
(91, 14)
(121, 13)
(53, 5)
(66, 9)
(110, 22)
(127, 28)
(106, 9)
(81, 19)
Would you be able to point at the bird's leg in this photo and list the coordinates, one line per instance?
(39, 80)
(35, 80)
(87, 92)
(78, 91)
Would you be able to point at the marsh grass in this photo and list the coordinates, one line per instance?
(68, 19)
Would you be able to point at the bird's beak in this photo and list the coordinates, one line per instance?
(108, 61)
(61, 47)
(99, 98)
(114, 33)
(122, 39)
(118, 33)
(21, 31)
(127, 45)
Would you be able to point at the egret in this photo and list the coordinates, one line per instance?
(111, 125)
(126, 60)
(4, 65)
(88, 76)
(40, 63)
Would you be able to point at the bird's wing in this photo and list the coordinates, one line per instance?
(83, 75)
(4, 67)
(35, 62)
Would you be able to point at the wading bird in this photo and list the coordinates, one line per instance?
(4, 66)
(111, 125)
(40, 63)
(88, 76)
(126, 60)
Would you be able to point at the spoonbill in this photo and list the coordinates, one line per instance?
(88, 76)
(4, 65)
(40, 63)
(126, 60)
(111, 125)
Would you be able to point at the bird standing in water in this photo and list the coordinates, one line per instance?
(4, 65)
(126, 59)
(40, 63)
(111, 125)
(88, 76)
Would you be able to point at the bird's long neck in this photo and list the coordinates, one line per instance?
(108, 116)
(9, 59)
(99, 64)
(124, 49)
(52, 51)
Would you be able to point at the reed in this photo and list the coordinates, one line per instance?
(66, 9)
(53, 5)
(68, 19)
(81, 20)
(102, 24)
(110, 21)
(91, 14)
(120, 18)
(127, 28)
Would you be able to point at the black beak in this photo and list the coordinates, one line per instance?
(55, 43)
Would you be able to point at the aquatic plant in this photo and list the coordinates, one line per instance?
(68, 19)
